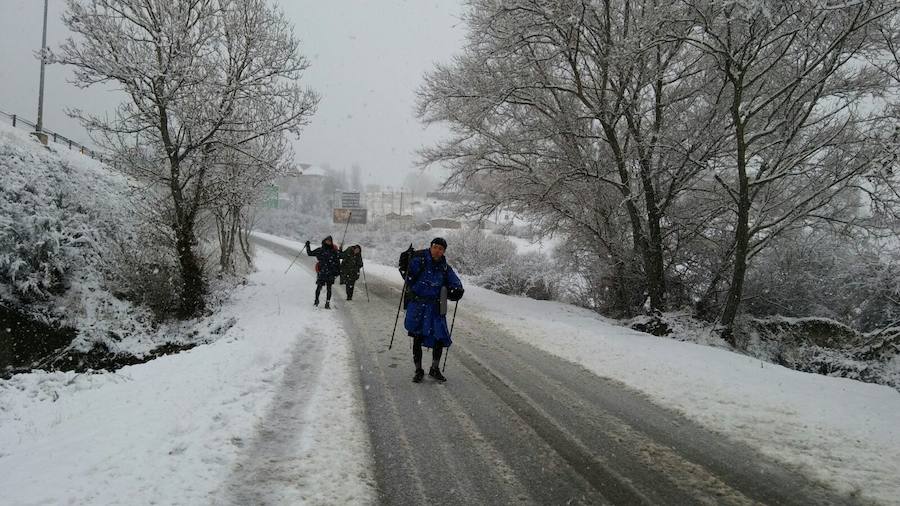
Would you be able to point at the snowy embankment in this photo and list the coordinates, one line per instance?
(840, 431)
(185, 428)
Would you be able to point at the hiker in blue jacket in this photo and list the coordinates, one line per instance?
(427, 276)
(328, 267)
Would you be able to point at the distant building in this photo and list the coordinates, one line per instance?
(445, 223)
(302, 174)
(301, 181)
(449, 196)
(405, 221)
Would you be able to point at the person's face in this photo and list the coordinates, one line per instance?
(437, 251)
(328, 242)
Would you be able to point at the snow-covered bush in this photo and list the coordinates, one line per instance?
(492, 262)
(826, 276)
(474, 253)
(56, 215)
(144, 272)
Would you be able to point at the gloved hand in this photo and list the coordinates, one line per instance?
(455, 293)
(307, 244)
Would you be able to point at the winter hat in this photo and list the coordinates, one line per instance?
(327, 239)
(439, 241)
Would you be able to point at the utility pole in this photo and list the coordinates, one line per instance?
(39, 127)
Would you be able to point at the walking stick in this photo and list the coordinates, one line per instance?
(295, 259)
(366, 283)
(345, 229)
(452, 323)
(402, 296)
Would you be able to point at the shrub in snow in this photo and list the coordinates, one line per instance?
(595, 277)
(474, 253)
(818, 274)
(492, 262)
(145, 273)
(883, 344)
(71, 251)
(822, 332)
(824, 346)
(55, 217)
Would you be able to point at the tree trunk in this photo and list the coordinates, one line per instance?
(228, 227)
(736, 289)
(654, 264)
(244, 238)
(193, 288)
(742, 230)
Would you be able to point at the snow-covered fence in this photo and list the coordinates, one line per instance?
(20, 122)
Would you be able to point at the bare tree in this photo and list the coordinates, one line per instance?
(558, 98)
(202, 77)
(791, 86)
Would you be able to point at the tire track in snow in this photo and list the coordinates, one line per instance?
(269, 470)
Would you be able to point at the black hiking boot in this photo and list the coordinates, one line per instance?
(316, 303)
(435, 373)
(420, 373)
(327, 304)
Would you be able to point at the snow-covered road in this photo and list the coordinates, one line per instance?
(515, 424)
(296, 405)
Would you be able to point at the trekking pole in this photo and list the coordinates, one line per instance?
(402, 296)
(366, 283)
(452, 323)
(295, 259)
(345, 229)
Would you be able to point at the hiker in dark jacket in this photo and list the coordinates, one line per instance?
(351, 263)
(328, 267)
(426, 322)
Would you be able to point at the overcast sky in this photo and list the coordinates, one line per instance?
(367, 59)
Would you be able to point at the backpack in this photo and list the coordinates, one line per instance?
(403, 264)
(405, 257)
(317, 267)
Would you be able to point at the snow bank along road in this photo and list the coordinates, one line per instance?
(516, 425)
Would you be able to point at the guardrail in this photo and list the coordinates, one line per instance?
(20, 122)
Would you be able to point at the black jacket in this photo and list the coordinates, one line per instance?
(329, 261)
(351, 263)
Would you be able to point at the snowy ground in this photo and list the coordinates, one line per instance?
(186, 428)
(838, 430)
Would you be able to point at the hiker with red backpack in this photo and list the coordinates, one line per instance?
(327, 267)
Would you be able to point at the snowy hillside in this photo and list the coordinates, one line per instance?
(73, 258)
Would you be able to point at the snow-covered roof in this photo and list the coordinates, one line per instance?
(308, 169)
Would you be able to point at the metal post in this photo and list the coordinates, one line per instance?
(40, 115)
